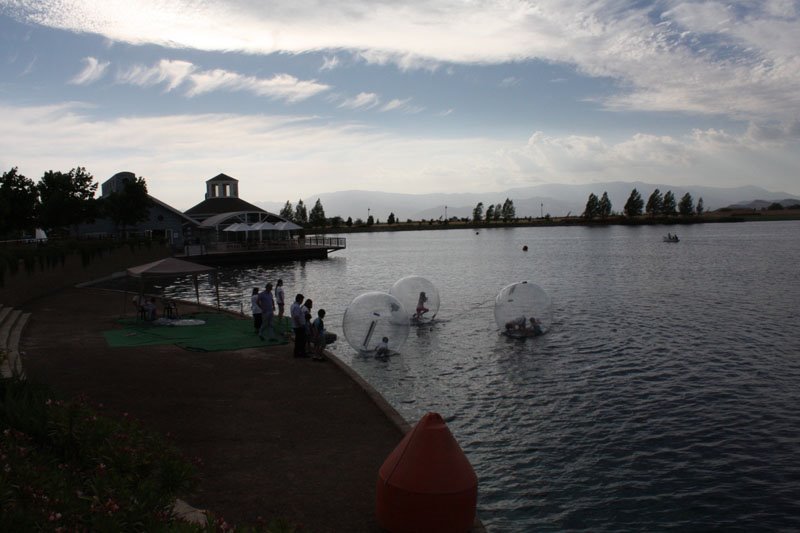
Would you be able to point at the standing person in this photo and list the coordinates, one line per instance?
(279, 299)
(255, 310)
(307, 306)
(421, 309)
(267, 305)
(318, 335)
(298, 316)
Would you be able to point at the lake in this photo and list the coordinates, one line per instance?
(664, 397)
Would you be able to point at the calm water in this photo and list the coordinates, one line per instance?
(665, 396)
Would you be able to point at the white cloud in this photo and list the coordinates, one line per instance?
(330, 63)
(92, 71)
(305, 155)
(182, 73)
(403, 105)
(361, 101)
(509, 82)
(701, 157)
(173, 73)
(704, 56)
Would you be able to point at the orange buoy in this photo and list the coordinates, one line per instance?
(427, 483)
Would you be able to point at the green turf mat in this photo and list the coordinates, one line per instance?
(221, 331)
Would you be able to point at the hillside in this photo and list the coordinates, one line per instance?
(554, 199)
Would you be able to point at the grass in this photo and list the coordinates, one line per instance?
(65, 466)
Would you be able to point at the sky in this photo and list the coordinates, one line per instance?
(303, 97)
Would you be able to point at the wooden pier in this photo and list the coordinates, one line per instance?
(253, 252)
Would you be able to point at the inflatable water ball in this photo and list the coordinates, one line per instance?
(517, 304)
(372, 316)
(417, 293)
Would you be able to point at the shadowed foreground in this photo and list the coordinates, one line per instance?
(276, 436)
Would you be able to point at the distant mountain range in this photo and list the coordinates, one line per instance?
(554, 199)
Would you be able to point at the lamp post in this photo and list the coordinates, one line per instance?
(542, 210)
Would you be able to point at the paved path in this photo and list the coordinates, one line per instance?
(277, 436)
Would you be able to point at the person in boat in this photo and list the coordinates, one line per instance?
(421, 309)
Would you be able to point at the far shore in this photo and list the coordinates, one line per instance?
(744, 215)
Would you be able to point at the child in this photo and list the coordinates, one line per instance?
(318, 336)
(382, 349)
(421, 309)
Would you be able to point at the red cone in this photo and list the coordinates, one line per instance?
(427, 483)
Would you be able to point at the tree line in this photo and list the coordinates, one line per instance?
(495, 212)
(61, 201)
(657, 205)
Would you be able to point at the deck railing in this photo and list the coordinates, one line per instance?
(314, 241)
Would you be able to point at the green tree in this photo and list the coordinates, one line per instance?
(66, 199)
(17, 203)
(498, 212)
(370, 220)
(349, 222)
(775, 206)
(300, 213)
(508, 211)
(129, 206)
(604, 206)
(686, 205)
(391, 219)
(634, 205)
(477, 213)
(700, 208)
(654, 204)
(336, 222)
(490, 213)
(670, 206)
(288, 211)
(317, 215)
(592, 207)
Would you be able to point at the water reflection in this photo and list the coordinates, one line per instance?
(663, 397)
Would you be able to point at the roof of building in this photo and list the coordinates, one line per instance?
(173, 210)
(222, 177)
(215, 206)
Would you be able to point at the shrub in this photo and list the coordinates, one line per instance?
(63, 466)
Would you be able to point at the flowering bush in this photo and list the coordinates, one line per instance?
(64, 467)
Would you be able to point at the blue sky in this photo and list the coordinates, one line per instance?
(303, 97)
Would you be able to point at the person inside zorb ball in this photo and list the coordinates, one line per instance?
(376, 322)
(418, 296)
(523, 310)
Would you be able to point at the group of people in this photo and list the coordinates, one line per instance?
(309, 334)
(519, 327)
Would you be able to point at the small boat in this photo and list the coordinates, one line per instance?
(671, 238)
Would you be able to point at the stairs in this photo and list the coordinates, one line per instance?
(12, 322)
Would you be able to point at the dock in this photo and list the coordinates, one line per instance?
(253, 252)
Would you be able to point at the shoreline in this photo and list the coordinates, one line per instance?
(723, 218)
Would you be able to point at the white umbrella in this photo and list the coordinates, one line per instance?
(263, 225)
(287, 226)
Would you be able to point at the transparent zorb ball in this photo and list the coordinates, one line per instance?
(373, 316)
(523, 310)
(418, 295)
